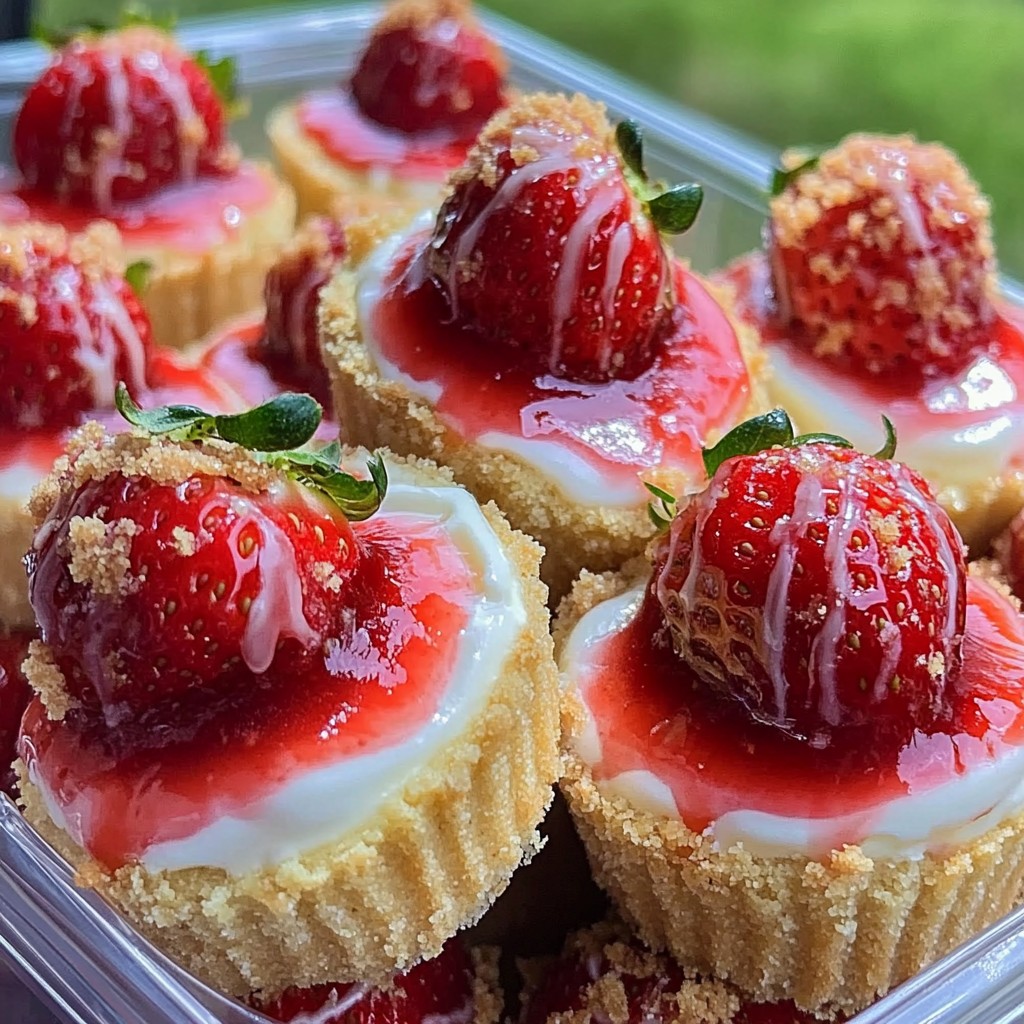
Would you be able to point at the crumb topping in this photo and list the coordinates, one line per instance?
(100, 553)
(93, 454)
(48, 681)
(581, 121)
(96, 251)
(422, 14)
(904, 196)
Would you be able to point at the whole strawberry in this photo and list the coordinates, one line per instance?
(882, 257)
(291, 291)
(70, 325)
(550, 242)
(819, 587)
(430, 68)
(14, 697)
(433, 991)
(148, 587)
(116, 117)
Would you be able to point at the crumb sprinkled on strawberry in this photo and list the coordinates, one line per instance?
(162, 569)
(430, 67)
(70, 325)
(118, 116)
(819, 587)
(545, 243)
(882, 256)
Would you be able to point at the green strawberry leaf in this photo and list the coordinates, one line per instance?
(770, 430)
(273, 432)
(661, 511)
(167, 419)
(286, 421)
(820, 438)
(137, 275)
(223, 75)
(674, 211)
(782, 178)
(131, 14)
(629, 138)
(888, 450)
(318, 470)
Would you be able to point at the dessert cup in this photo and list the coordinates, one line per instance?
(301, 885)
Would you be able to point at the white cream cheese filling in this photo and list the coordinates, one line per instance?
(577, 478)
(948, 815)
(325, 804)
(963, 457)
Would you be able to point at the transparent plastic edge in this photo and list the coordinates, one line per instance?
(67, 943)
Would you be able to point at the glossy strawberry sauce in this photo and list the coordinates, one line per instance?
(190, 218)
(226, 375)
(653, 714)
(964, 408)
(332, 118)
(122, 790)
(697, 383)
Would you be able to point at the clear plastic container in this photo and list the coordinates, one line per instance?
(69, 947)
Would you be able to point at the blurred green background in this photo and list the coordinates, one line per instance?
(798, 71)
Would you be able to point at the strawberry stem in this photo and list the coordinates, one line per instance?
(672, 210)
(274, 432)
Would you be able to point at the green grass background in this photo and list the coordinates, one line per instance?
(800, 71)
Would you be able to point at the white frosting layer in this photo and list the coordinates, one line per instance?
(950, 814)
(579, 479)
(324, 804)
(18, 480)
(964, 457)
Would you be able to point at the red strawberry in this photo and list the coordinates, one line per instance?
(543, 244)
(14, 698)
(820, 587)
(291, 292)
(1009, 551)
(146, 590)
(432, 992)
(70, 326)
(430, 67)
(115, 117)
(597, 980)
(882, 257)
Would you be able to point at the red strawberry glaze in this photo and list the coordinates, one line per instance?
(14, 698)
(192, 217)
(332, 118)
(130, 788)
(986, 398)
(654, 714)
(219, 380)
(697, 383)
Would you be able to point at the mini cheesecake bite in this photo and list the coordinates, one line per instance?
(295, 737)
(539, 338)
(126, 127)
(795, 737)
(423, 87)
(877, 291)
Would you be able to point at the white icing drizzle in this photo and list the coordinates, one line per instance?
(595, 178)
(809, 505)
(336, 1006)
(276, 610)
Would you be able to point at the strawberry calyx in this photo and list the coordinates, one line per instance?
(773, 429)
(274, 432)
(221, 71)
(671, 210)
(782, 177)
